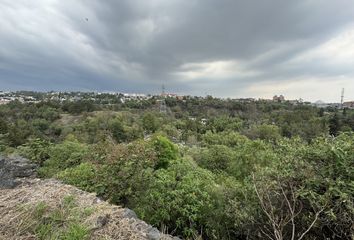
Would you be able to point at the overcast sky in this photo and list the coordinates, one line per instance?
(226, 48)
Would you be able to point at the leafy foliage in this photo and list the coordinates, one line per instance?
(81, 176)
(37, 150)
(165, 151)
(178, 198)
(65, 155)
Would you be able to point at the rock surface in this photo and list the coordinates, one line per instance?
(19, 187)
(14, 170)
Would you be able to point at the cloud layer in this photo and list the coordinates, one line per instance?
(228, 48)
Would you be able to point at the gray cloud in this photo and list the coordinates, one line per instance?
(193, 46)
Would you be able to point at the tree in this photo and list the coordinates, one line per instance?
(19, 132)
(216, 158)
(264, 132)
(67, 154)
(334, 125)
(117, 130)
(36, 150)
(150, 122)
(125, 171)
(307, 190)
(166, 151)
(280, 203)
(178, 199)
(3, 126)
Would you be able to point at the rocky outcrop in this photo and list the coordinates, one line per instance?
(15, 170)
(19, 187)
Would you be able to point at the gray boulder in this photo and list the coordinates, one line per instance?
(154, 234)
(13, 169)
(128, 213)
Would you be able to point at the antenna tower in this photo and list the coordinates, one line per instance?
(342, 98)
(163, 107)
(163, 90)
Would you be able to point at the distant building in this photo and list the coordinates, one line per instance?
(245, 100)
(321, 104)
(4, 101)
(281, 98)
(349, 105)
(171, 95)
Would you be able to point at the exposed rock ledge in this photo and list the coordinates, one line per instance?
(14, 170)
(19, 187)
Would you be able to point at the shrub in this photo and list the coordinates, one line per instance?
(36, 150)
(165, 150)
(64, 155)
(216, 158)
(150, 122)
(125, 171)
(178, 199)
(82, 176)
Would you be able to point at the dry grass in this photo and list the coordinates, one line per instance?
(17, 207)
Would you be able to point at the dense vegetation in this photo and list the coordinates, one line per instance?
(210, 168)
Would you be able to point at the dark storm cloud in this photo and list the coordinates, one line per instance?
(136, 45)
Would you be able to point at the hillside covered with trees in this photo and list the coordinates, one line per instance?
(208, 168)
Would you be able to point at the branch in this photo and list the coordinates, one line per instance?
(313, 223)
(267, 235)
(269, 215)
(291, 209)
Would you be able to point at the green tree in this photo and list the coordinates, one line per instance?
(65, 155)
(165, 150)
(216, 158)
(81, 176)
(334, 125)
(150, 122)
(124, 172)
(3, 126)
(117, 129)
(178, 199)
(264, 132)
(19, 132)
(36, 150)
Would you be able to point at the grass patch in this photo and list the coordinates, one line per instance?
(61, 222)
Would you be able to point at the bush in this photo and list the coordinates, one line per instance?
(317, 178)
(178, 199)
(150, 122)
(165, 150)
(81, 176)
(36, 150)
(216, 158)
(67, 154)
(19, 132)
(117, 129)
(264, 132)
(124, 171)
